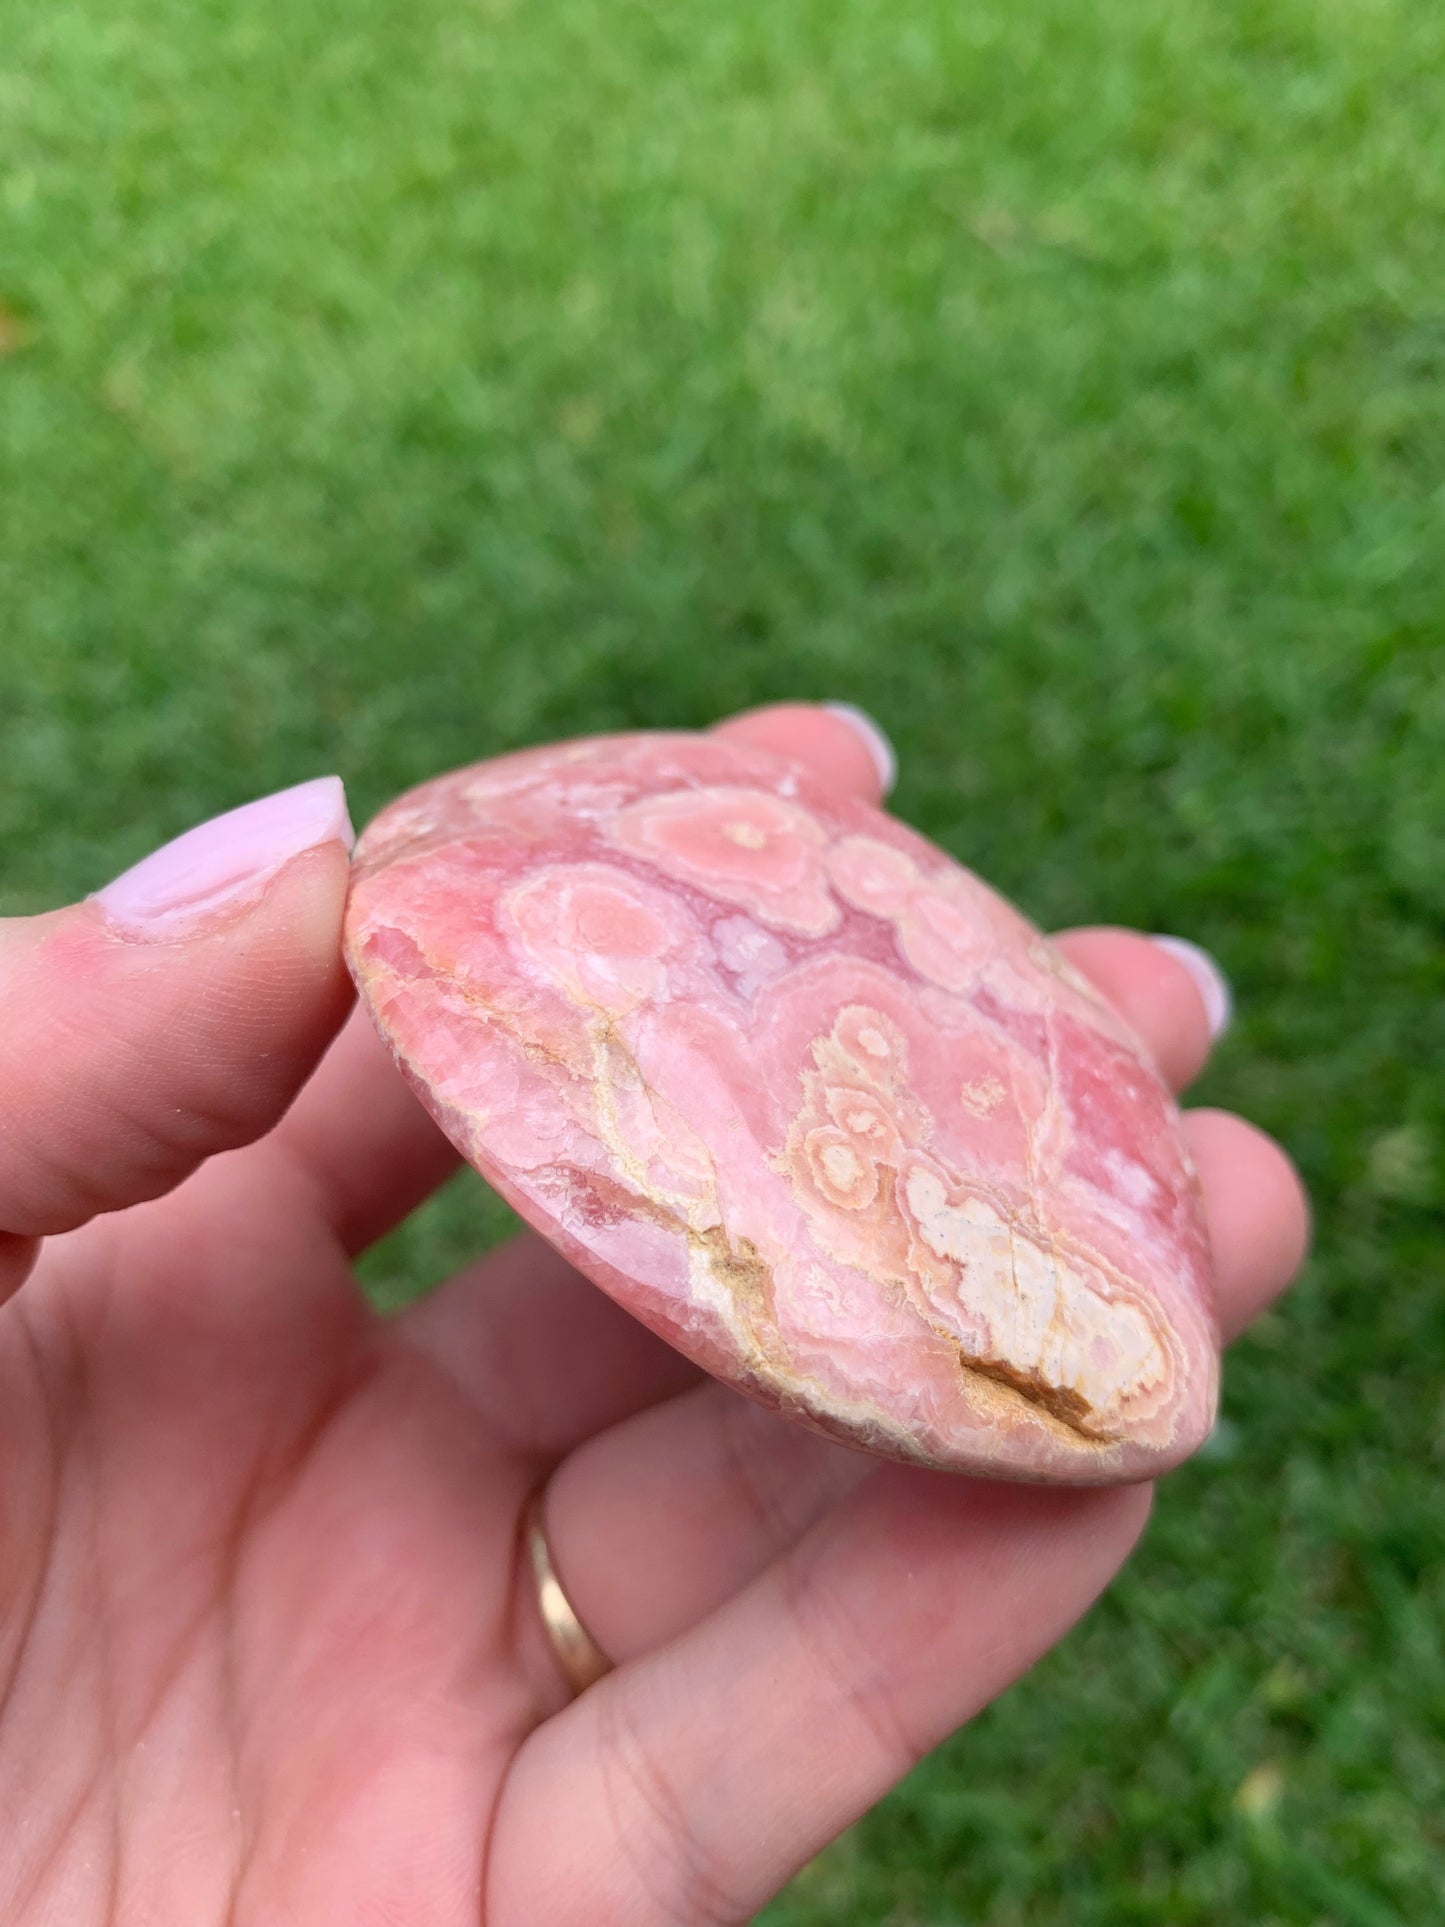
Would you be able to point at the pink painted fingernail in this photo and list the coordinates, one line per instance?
(884, 756)
(1209, 979)
(221, 863)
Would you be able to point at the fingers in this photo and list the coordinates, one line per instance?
(839, 743)
(658, 1521)
(726, 1759)
(171, 1016)
(1256, 1209)
(830, 1679)
(740, 1746)
(362, 1136)
(1171, 995)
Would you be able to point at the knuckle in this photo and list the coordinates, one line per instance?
(854, 1683)
(686, 1879)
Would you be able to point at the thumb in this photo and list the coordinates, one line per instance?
(172, 1015)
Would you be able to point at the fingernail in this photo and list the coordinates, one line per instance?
(221, 863)
(885, 759)
(1211, 981)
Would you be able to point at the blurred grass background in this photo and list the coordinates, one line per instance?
(384, 385)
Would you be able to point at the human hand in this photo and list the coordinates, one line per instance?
(268, 1652)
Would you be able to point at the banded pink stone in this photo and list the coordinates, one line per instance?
(804, 1095)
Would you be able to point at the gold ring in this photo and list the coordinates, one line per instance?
(578, 1654)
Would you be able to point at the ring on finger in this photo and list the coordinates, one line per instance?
(581, 1659)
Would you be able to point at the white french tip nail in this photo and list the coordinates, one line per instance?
(885, 757)
(1210, 980)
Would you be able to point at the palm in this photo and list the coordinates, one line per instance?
(290, 1540)
(266, 1654)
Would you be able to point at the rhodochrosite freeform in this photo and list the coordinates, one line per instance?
(802, 1094)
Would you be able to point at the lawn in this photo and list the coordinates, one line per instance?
(385, 385)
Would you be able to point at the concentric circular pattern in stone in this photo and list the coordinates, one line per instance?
(804, 1095)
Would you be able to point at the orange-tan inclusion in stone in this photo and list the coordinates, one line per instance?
(804, 1095)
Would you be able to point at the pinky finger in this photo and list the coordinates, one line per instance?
(1257, 1211)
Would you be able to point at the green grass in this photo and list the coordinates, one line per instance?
(385, 385)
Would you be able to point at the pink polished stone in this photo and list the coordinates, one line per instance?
(805, 1096)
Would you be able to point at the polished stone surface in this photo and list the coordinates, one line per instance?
(804, 1095)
